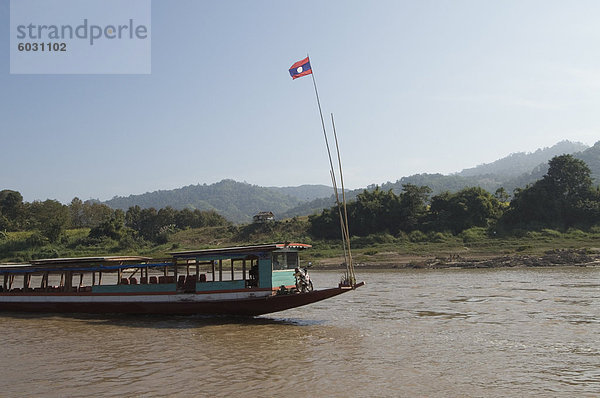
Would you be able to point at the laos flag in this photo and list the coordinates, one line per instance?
(301, 68)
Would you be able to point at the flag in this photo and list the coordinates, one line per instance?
(301, 68)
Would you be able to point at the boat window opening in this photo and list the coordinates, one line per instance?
(64, 280)
(252, 280)
(219, 270)
(132, 274)
(233, 269)
(285, 260)
(37, 282)
(200, 269)
(189, 272)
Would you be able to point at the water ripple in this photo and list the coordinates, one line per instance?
(434, 333)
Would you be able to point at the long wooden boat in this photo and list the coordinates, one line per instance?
(240, 281)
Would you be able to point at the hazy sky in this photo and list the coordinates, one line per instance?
(415, 86)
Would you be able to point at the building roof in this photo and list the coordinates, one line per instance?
(264, 213)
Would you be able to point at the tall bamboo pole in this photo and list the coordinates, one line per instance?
(343, 226)
(346, 227)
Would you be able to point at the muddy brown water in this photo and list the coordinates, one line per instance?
(437, 333)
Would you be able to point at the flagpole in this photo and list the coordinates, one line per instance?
(343, 225)
(321, 114)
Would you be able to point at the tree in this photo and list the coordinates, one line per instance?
(501, 195)
(470, 207)
(95, 213)
(11, 210)
(76, 211)
(114, 227)
(413, 206)
(148, 224)
(133, 217)
(326, 225)
(166, 216)
(374, 212)
(569, 178)
(50, 217)
(563, 198)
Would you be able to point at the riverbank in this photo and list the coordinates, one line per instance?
(551, 258)
(473, 248)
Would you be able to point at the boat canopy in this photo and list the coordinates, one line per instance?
(76, 264)
(107, 263)
(97, 260)
(240, 250)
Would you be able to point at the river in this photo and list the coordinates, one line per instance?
(517, 332)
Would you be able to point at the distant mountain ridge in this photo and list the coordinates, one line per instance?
(239, 201)
(518, 163)
(513, 171)
(591, 157)
(305, 192)
(501, 173)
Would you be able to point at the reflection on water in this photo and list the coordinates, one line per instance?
(493, 333)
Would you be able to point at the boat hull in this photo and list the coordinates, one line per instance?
(166, 304)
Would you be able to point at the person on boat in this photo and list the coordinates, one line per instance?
(303, 282)
(253, 275)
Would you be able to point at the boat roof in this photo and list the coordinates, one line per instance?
(80, 260)
(116, 262)
(240, 249)
(71, 262)
(79, 264)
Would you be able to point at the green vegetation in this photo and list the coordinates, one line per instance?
(50, 229)
(564, 198)
(561, 210)
(239, 202)
(509, 173)
(379, 248)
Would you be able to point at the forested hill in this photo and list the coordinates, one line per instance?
(237, 201)
(519, 163)
(305, 192)
(591, 157)
(527, 168)
(528, 171)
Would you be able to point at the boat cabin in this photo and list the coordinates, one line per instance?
(267, 266)
(264, 267)
(67, 275)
